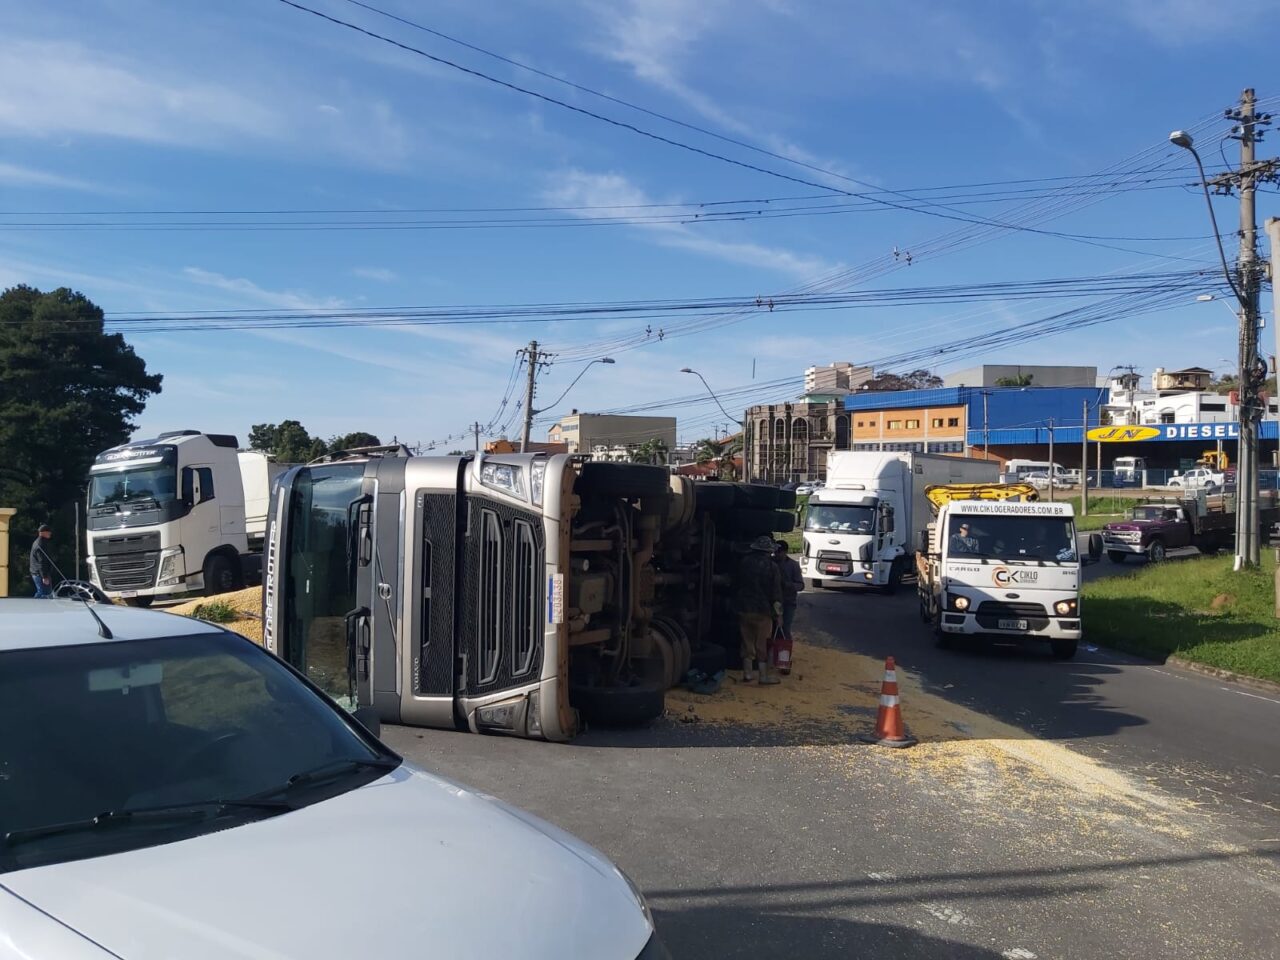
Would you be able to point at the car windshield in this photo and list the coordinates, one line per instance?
(131, 486)
(1154, 513)
(829, 518)
(1012, 537)
(120, 745)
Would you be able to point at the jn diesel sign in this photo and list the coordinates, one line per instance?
(1166, 432)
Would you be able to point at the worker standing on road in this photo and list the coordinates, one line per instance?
(41, 565)
(757, 600)
(792, 584)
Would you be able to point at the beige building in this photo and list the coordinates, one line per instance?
(790, 441)
(834, 378)
(584, 432)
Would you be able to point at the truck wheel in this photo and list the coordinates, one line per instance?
(607, 479)
(783, 521)
(755, 495)
(219, 577)
(745, 524)
(628, 705)
(786, 500)
(1116, 556)
(681, 649)
(1155, 552)
(713, 495)
(1064, 649)
(142, 602)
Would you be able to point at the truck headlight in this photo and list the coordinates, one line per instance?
(960, 603)
(171, 566)
(537, 473)
(1065, 608)
(506, 477)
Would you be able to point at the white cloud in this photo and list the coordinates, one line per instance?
(16, 176)
(616, 195)
(66, 89)
(380, 274)
(250, 291)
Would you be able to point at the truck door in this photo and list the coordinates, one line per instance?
(311, 615)
(501, 638)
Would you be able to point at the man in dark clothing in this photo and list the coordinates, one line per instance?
(41, 565)
(792, 584)
(757, 599)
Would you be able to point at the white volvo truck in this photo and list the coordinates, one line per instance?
(863, 526)
(998, 563)
(182, 513)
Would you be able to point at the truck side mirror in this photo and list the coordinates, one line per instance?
(923, 544)
(368, 718)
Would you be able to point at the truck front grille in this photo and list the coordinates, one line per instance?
(991, 612)
(127, 562)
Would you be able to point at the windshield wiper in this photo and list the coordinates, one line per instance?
(329, 771)
(174, 813)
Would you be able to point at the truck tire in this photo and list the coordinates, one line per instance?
(1064, 649)
(712, 495)
(786, 500)
(1155, 552)
(219, 576)
(607, 479)
(1116, 556)
(756, 495)
(783, 521)
(142, 602)
(627, 705)
(681, 649)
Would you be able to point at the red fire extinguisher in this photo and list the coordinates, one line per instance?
(781, 651)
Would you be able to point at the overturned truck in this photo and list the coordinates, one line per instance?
(518, 594)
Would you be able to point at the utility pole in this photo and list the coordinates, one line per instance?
(476, 429)
(1084, 461)
(533, 357)
(1248, 286)
(1052, 476)
(986, 433)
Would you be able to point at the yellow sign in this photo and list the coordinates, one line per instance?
(1122, 434)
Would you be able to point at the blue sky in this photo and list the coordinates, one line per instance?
(137, 105)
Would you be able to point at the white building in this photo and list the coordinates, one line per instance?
(1171, 402)
(836, 378)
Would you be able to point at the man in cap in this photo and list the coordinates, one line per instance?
(757, 599)
(41, 565)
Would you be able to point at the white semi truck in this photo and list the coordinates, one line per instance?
(183, 513)
(863, 526)
(996, 562)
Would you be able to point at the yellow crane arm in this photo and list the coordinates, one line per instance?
(942, 493)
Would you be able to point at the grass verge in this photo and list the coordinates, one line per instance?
(1197, 609)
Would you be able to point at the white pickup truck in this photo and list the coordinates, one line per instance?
(1199, 478)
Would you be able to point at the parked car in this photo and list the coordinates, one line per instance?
(1199, 478)
(807, 489)
(1041, 481)
(169, 789)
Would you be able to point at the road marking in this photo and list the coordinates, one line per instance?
(883, 877)
(1018, 953)
(1243, 694)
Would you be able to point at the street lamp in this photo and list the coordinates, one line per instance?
(712, 393)
(1247, 448)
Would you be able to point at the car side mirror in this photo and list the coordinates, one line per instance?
(864, 552)
(368, 718)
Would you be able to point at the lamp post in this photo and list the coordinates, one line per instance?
(711, 393)
(1247, 452)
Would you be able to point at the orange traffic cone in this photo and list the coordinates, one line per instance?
(889, 731)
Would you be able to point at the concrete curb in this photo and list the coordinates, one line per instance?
(1269, 686)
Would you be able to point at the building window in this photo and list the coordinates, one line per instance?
(1214, 407)
(953, 421)
(937, 421)
(913, 424)
(893, 425)
(859, 423)
(842, 433)
(1167, 416)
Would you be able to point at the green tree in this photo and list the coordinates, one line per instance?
(287, 441)
(68, 391)
(721, 452)
(347, 441)
(653, 450)
(1018, 380)
(913, 380)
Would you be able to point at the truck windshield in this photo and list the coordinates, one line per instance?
(1154, 513)
(830, 518)
(1012, 537)
(158, 483)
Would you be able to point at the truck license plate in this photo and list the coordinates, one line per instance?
(128, 594)
(1012, 624)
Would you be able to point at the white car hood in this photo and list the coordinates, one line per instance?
(409, 865)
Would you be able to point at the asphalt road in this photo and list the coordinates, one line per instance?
(751, 846)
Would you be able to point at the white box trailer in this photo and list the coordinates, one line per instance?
(863, 526)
